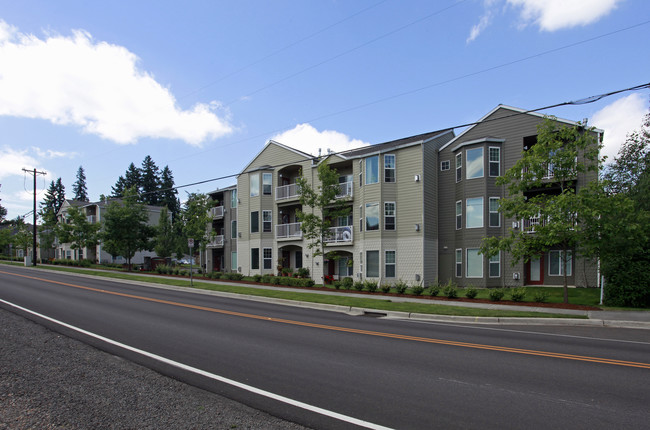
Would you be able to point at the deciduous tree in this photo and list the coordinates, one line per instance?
(78, 231)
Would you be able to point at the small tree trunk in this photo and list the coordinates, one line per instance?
(564, 276)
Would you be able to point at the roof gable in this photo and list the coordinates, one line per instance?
(273, 143)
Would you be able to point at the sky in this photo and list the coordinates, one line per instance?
(202, 86)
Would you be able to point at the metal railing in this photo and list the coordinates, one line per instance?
(530, 224)
(339, 235)
(217, 242)
(217, 212)
(287, 192)
(285, 231)
(345, 190)
(91, 219)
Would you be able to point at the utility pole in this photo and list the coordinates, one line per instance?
(35, 173)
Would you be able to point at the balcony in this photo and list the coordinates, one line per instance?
(285, 192)
(345, 190)
(530, 224)
(339, 236)
(216, 212)
(216, 242)
(92, 219)
(288, 231)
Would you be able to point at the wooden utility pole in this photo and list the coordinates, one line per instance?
(35, 173)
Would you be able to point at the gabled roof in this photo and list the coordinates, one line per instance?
(515, 111)
(393, 144)
(273, 142)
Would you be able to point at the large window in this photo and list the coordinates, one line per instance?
(267, 217)
(372, 264)
(389, 216)
(474, 160)
(255, 258)
(372, 216)
(255, 222)
(495, 161)
(459, 167)
(389, 264)
(233, 199)
(459, 263)
(267, 183)
(233, 229)
(495, 265)
(555, 263)
(233, 261)
(268, 259)
(345, 267)
(459, 214)
(474, 263)
(389, 168)
(298, 255)
(474, 212)
(495, 219)
(255, 185)
(372, 170)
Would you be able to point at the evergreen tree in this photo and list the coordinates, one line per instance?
(79, 187)
(165, 242)
(119, 187)
(3, 211)
(133, 179)
(150, 182)
(168, 194)
(54, 199)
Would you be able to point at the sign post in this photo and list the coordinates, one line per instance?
(190, 244)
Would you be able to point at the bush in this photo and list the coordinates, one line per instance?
(257, 278)
(417, 290)
(434, 289)
(371, 286)
(400, 287)
(303, 272)
(267, 279)
(336, 285)
(496, 294)
(347, 283)
(540, 296)
(471, 292)
(275, 280)
(385, 288)
(450, 290)
(358, 286)
(518, 294)
(236, 276)
(307, 282)
(177, 271)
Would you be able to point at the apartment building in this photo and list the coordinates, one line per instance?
(221, 252)
(418, 209)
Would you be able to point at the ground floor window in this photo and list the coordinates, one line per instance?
(495, 265)
(474, 263)
(555, 263)
(233, 261)
(268, 258)
(255, 258)
(345, 267)
(298, 259)
(390, 264)
(372, 264)
(459, 263)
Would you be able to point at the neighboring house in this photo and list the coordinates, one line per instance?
(221, 251)
(95, 212)
(409, 202)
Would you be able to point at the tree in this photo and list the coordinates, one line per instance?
(3, 211)
(131, 179)
(78, 231)
(54, 199)
(561, 152)
(168, 193)
(79, 187)
(325, 207)
(195, 218)
(165, 242)
(23, 239)
(150, 182)
(126, 230)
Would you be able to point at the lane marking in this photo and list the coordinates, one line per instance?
(209, 375)
(358, 331)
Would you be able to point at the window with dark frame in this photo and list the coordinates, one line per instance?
(255, 222)
(255, 258)
(389, 168)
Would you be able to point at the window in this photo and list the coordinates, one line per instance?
(495, 161)
(233, 229)
(372, 170)
(390, 264)
(372, 264)
(360, 218)
(267, 217)
(459, 214)
(298, 259)
(267, 258)
(267, 183)
(495, 265)
(474, 212)
(233, 261)
(255, 222)
(495, 219)
(474, 159)
(372, 216)
(555, 263)
(345, 267)
(389, 168)
(344, 221)
(255, 258)
(459, 167)
(444, 165)
(459, 263)
(389, 216)
(233, 199)
(474, 263)
(255, 185)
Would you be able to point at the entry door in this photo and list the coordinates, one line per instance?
(535, 270)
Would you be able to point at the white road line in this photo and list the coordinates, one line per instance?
(185, 367)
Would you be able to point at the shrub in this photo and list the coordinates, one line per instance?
(177, 271)
(267, 278)
(450, 290)
(434, 289)
(471, 292)
(518, 294)
(337, 285)
(496, 294)
(358, 286)
(257, 278)
(236, 276)
(417, 290)
(400, 287)
(371, 286)
(540, 296)
(307, 282)
(385, 288)
(275, 280)
(347, 283)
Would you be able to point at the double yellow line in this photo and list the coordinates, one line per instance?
(356, 331)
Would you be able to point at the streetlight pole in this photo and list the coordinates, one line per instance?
(35, 173)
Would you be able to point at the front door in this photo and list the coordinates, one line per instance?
(535, 270)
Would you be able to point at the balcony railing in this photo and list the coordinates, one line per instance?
(216, 212)
(284, 192)
(339, 235)
(288, 231)
(216, 242)
(91, 219)
(345, 190)
(530, 224)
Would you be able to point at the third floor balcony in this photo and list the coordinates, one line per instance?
(286, 192)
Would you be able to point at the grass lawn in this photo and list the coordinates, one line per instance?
(305, 296)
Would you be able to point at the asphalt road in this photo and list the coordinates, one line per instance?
(330, 370)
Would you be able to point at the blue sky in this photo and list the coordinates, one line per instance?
(201, 86)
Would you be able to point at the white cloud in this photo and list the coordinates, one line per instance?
(483, 23)
(48, 153)
(96, 86)
(307, 139)
(552, 15)
(12, 162)
(618, 119)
